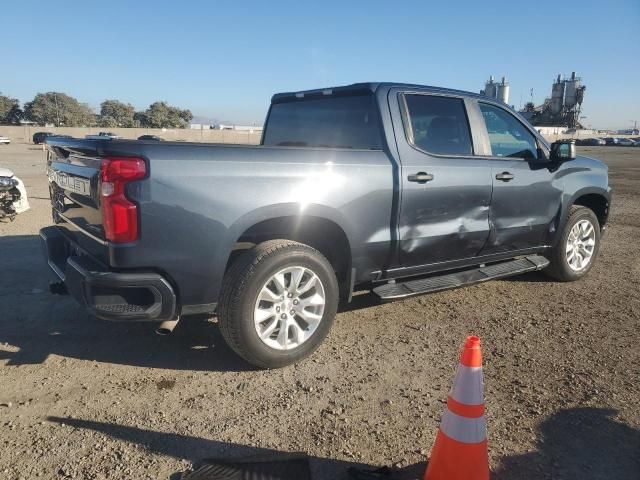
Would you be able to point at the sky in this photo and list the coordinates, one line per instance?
(224, 60)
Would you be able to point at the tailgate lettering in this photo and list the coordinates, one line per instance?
(68, 182)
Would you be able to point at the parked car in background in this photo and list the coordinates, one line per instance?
(399, 189)
(592, 142)
(5, 140)
(151, 137)
(103, 136)
(626, 142)
(39, 137)
(611, 141)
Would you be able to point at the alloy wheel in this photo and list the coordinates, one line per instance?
(289, 308)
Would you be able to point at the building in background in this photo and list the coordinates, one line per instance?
(563, 108)
(237, 128)
(219, 126)
(496, 90)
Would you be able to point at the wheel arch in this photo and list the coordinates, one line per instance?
(595, 200)
(322, 232)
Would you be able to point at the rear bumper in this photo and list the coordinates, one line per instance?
(106, 294)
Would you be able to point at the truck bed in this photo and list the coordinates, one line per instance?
(197, 200)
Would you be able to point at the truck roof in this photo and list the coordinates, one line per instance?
(366, 87)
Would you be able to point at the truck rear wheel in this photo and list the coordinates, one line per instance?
(278, 302)
(576, 251)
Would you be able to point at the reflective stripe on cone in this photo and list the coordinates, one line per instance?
(468, 386)
(463, 429)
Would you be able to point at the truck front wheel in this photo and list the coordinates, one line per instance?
(278, 302)
(576, 251)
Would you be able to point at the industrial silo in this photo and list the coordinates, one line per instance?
(503, 91)
(580, 94)
(557, 96)
(571, 91)
(491, 88)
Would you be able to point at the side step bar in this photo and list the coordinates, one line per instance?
(392, 291)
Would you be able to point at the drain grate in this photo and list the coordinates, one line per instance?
(263, 467)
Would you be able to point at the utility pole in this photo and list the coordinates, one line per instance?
(55, 97)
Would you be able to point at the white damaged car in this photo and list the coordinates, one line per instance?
(5, 140)
(13, 195)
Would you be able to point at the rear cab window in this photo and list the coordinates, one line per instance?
(507, 136)
(438, 124)
(325, 121)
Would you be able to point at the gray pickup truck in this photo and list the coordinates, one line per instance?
(394, 188)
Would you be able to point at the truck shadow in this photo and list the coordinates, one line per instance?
(572, 443)
(578, 443)
(195, 345)
(35, 324)
(360, 301)
(531, 277)
(195, 449)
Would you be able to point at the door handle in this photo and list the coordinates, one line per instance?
(505, 176)
(420, 177)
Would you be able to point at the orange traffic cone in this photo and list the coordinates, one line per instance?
(460, 451)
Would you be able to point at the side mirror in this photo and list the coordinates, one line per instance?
(563, 150)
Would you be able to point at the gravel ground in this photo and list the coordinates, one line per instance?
(82, 398)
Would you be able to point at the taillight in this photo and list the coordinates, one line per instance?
(119, 214)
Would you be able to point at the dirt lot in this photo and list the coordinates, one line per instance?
(81, 398)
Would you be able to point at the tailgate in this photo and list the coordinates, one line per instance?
(73, 187)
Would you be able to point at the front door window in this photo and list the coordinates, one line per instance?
(507, 136)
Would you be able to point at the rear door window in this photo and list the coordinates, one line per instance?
(438, 124)
(326, 122)
(508, 137)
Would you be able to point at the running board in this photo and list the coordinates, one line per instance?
(392, 291)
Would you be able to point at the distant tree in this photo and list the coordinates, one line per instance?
(140, 119)
(108, 122)
(186, 117)
(10, 111)
(114, 113)
(162, 115)
(59, 109)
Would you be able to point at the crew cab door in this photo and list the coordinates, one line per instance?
(526, 198)
(445, 190)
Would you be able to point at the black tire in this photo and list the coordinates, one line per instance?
(559, 268)
(242, 284)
